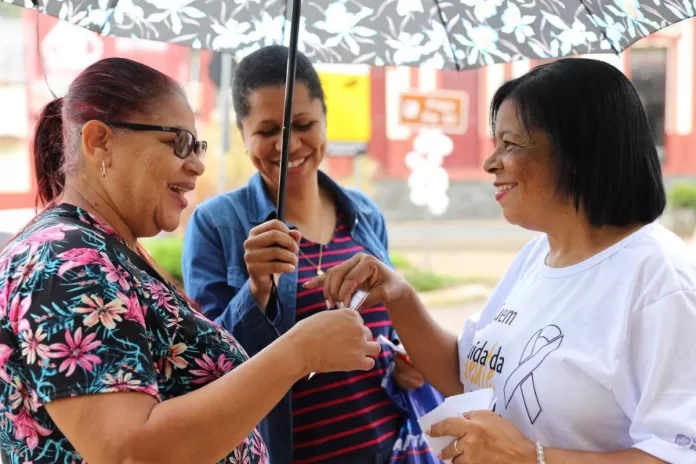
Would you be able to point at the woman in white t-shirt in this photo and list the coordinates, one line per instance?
(588, 340)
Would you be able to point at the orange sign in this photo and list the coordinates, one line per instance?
(444, 110)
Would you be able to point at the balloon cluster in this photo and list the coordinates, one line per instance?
(428, 181)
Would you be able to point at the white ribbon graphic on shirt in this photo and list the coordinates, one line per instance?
(542, 343)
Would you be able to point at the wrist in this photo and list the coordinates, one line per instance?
(260, 294)
(404, 296)
(292, 346)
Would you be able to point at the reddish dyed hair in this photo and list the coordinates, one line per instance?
(112, 89)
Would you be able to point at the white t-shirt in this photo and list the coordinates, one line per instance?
(598, 356)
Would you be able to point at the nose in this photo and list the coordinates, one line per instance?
(493, 163)
(194, 165)
(294, 145)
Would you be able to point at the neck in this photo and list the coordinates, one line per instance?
(302, 202)
(97, 203)
(573, 241)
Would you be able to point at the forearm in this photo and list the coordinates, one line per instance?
(432, 349)
(206, 425)
(629, 456)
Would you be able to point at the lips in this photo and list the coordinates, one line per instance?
(182, 188)
(293, 163)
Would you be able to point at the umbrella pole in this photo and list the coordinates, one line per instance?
(287, 117)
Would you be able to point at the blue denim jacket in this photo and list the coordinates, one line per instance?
(215, 276)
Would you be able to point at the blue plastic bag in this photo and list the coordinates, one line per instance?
(411, 446)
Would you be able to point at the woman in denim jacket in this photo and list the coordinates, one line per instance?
(229, 256)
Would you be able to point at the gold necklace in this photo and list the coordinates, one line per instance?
(318, 266)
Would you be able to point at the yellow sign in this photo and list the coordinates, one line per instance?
(348, 106)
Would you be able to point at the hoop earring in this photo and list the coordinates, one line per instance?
(103, 169)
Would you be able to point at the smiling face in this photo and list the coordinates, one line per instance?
(525, 178)
(145, 180)
(261, 131)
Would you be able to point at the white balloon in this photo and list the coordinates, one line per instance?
(415, 160)
(438, 205)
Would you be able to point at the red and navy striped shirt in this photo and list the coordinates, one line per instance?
(341, 414)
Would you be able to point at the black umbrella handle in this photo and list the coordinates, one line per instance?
(287, 117)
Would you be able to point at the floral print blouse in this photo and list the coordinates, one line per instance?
(81, 314)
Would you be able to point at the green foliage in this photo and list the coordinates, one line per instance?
(166, 251)
(682, 195)
(400, 261)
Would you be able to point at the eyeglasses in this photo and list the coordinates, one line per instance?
(184, 145)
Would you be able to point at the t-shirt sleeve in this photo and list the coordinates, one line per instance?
(656, 383)
(81, 328)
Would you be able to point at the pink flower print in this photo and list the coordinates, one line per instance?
(116, 273)
(26, 271)
(173, 359)
(258, 448)
(159, 292)
(18, 309)
(4, 298)
(78, 257)
(32, 346)
(76, 350)
(108, 314)
(47, 235)
(235, 347)
(4, 264)
(134, 310)
(123, 382)
(210, 370)
(26, 428)
(5, 353)
(23, 396)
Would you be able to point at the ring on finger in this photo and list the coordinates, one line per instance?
(456, 448)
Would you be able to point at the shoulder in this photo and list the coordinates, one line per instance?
(60, 262)
(228, 210)
(361, 200)
(661, 263)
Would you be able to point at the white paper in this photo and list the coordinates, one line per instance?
(456, 406)
(397, 348)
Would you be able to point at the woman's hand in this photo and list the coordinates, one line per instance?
(406, 375)
(485, 438)
(270, 250)
(335, 340)
(363, 272)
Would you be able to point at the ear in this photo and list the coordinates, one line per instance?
(96, 142)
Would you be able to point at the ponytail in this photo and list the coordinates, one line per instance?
(48, 153)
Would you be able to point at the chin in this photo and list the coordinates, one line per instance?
(168, 223)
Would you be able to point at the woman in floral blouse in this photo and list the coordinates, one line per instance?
(83, 312)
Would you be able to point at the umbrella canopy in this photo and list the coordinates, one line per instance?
(445, 34)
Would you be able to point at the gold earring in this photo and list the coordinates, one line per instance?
(103, 169)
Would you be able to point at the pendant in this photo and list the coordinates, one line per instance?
(320, 272)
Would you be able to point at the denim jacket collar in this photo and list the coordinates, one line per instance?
(262, 208)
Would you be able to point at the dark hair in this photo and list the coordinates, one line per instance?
(268, 67)
(111, 89)
(604, 150)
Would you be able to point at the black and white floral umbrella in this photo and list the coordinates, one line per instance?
(445, 34)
